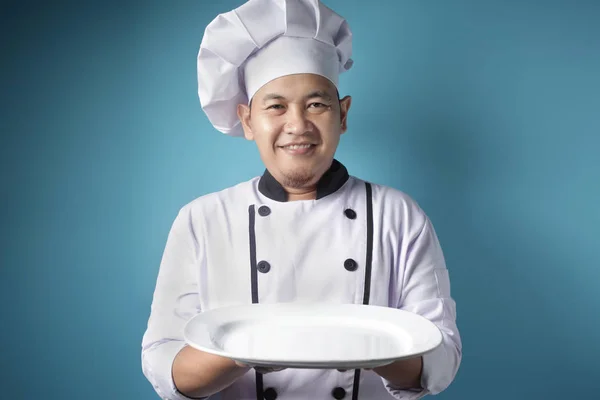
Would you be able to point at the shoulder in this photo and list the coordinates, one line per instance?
(395, 204)
(388, 194)
(210, 202)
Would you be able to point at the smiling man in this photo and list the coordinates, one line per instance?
(296, 122)
(306, 230)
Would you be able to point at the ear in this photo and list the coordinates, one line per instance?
(344, 108)
(243, 112)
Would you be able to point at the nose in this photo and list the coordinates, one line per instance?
(297, 121)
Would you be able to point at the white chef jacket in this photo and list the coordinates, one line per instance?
(358, 242)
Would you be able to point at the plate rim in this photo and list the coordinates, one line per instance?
(431, 345)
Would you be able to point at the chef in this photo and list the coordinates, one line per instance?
(306, 230)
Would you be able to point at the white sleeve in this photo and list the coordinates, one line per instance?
(426, 291)
(174, 302)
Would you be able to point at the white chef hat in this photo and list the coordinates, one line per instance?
(263, 40)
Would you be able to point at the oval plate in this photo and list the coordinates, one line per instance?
(312, 335)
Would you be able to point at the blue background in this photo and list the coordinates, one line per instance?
(487, 113)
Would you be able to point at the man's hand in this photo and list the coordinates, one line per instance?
(405, 374)
(261, 370)
(199, 374)
(344, 370)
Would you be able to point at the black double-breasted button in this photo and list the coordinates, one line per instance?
(263, 211)
(338, 393)
(350, 213)
(270, 394)
(350, 265)
(263, 267)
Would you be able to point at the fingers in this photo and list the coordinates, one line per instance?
(267, 370)
(240, 364)
(345, 370)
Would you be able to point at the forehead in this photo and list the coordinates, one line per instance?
(297, 85)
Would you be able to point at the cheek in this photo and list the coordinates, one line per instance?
(265, 134)
(265, 123)
(330, 131)
(266, 128)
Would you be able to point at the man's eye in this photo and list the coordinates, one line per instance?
(317, 105)
(275, 107)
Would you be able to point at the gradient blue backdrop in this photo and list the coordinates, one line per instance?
(487, 113)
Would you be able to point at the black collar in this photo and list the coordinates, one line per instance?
(330, 182)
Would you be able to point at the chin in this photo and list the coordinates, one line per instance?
(297, 176)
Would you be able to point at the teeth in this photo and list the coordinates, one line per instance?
(298, 146)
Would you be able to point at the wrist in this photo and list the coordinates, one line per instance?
(403, 374)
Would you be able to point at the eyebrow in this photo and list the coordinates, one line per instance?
(319, 94)
(273, 96)
(316, 94)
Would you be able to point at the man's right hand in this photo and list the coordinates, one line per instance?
(200, 374)
(262, 370)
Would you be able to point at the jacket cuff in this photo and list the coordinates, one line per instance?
(404, 394)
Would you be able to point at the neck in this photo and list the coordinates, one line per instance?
(301, 194)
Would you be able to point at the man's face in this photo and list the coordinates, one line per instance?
(296, 122)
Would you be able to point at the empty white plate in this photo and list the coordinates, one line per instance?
(312, 335)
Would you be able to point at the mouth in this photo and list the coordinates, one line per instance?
(298, 149)
(297, 146)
